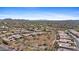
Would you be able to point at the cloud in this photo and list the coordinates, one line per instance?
(37, 16)
(53, 16)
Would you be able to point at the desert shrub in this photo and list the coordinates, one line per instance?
(44, 44)
(5, 42)
(45, 49)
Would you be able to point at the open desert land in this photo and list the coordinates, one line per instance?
(24, 37)
(28, 35)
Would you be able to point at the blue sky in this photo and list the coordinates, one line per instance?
(37, 13)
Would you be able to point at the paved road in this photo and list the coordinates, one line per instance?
(64, 42)
(69, 48)
(4, 48)
(75, 39)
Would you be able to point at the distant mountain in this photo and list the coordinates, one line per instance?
(23, 22)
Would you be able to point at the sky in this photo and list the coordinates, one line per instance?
(40, 13)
